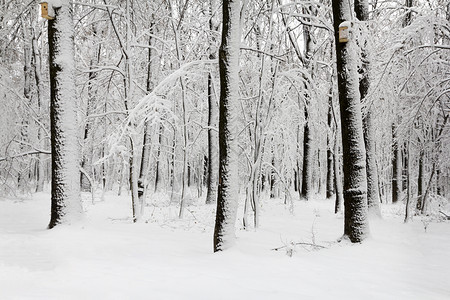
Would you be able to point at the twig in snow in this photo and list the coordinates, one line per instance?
(300, 243)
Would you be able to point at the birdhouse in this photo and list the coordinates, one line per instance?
(344, 31)
(45, 11)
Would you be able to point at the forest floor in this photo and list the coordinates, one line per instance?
(106, 256)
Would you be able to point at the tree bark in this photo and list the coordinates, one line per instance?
(307, 180)
(409, 208)
(307, 160)
(396, 166)
(158, 154)
(420, 181)
(337, 176)
(227, 197)
(40, 168)
(65, 195)
(211, 177)
(212, 162)
(146, 145)
(86, 155)
(362, 13)
(356, 226)
(330, 162)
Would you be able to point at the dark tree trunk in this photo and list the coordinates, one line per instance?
(438, 182)
(404, 166)
(409, 208)
(146, 144)
(356, 226)
(307, 140)
(188, 174)
(420, 180)
(65, 195)
(272, 179)
(295, 180)
(330, 162)
(407, 20)
(227, 197)
(307, 160)
(158, 154)
(396, 166)
(299, 170)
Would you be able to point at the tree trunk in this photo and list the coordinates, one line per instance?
(438, 182)
(295, 180)
(158, 154)
(356, 226)
(87, 149)
(330, 163)
(272, 179)
(38, 81)
(307, 180)
(407, 20)
(25, 128)
(146, 145)
(337, 175)
(396, 166)
(65, 198)
(362, 13)
(409, 208)
(420, 180)
(299, 171)
(211, 179)
(307, 160)
(227, 198)
(424, 207)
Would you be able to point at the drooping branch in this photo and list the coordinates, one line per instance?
(31, 152)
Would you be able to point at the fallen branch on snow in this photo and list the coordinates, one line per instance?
(300, 243)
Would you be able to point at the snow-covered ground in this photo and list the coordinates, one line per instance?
(107, 257)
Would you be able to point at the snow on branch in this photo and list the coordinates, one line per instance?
(445, 47)
(31, 152)
(263, 52)
(153, 105)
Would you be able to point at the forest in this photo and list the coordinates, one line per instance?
(137, 134)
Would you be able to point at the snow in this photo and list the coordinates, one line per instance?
(107, 256)
(347, 24)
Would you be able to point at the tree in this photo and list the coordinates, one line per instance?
(66, 202)
(362, 13)
(356, 226)
(146, 147)
(212, 161)
(227, 197)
